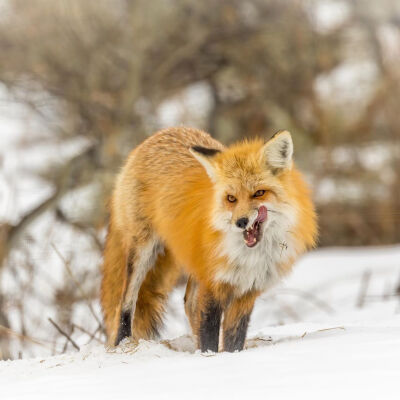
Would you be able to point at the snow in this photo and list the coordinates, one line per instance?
(190, 107)
(375, 158)
(328, 15)
(315, 336)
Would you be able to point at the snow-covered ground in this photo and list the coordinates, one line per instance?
(339, 337)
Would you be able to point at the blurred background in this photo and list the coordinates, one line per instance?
(83, 82)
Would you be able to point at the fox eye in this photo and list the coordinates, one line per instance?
(231, 198)
(259, 193)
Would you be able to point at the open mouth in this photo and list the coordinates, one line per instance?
(252, 235)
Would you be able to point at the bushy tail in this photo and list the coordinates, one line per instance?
(113, 282)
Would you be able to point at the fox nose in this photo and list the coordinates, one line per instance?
(242, 222)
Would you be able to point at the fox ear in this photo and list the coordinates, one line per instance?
(205, 157)
(278, 151)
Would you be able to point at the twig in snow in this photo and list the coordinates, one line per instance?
(398, 286)
(386, 292)
(311, 298)
(289, 311)
(322, 330)
(363, 288)
(64, 334)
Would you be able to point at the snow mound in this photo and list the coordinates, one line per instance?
(342, 342)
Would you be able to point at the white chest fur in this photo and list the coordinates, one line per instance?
(256, 268)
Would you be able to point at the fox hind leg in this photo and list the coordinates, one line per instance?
(139, 261)
(152, 297)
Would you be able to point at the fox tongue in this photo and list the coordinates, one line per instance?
(262, 214)
(251, 235)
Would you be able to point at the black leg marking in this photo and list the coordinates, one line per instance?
(124, 329)
(209, 327)
(234, 337)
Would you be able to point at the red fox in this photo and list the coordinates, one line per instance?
(233, 219)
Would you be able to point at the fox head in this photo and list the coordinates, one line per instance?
(252, 185)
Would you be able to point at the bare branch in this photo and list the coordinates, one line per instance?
(77, 283)
(10, 332)
(64, 334)
(92, 336)
(10, 235)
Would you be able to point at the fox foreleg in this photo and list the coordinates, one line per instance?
(236, 321)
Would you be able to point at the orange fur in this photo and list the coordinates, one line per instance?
(169, 206)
